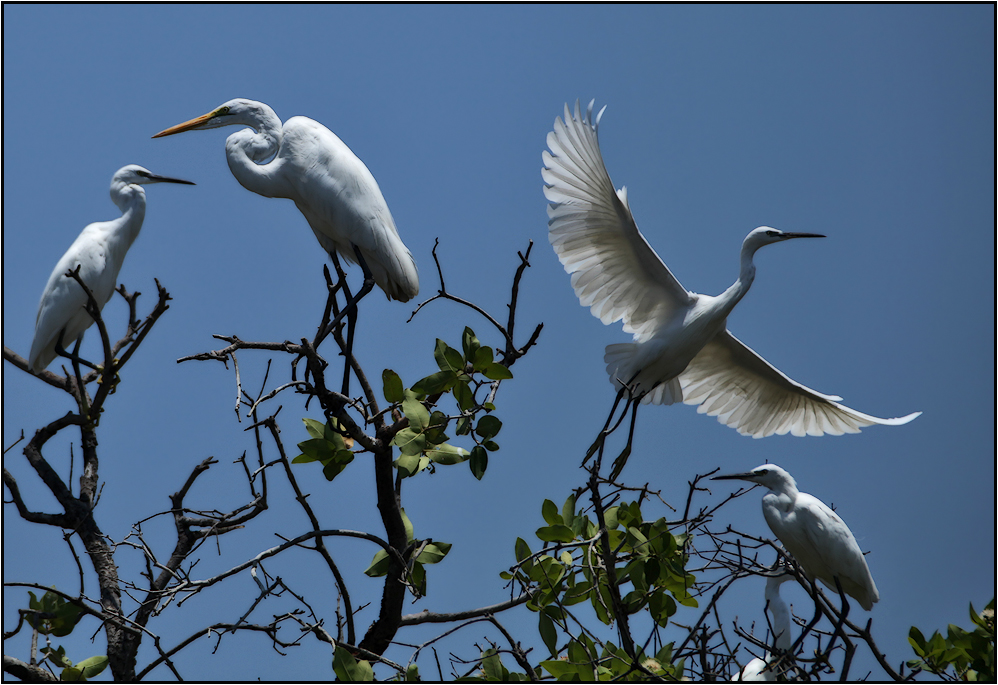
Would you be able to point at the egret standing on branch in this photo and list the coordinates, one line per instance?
(99, 252)
(682, 350)
(817, 538)
(759, 670)
(304, 161)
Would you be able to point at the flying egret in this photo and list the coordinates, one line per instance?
(99, 251)
(758, 670)
(814, 534)
(682, 350)
(304, 161)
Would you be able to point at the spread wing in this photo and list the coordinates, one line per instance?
(614, 270)
(730, 381)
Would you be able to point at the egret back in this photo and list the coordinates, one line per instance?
(341, 200)
(822, 543)
(62, 308)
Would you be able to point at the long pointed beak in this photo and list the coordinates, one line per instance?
(737, 476)
(186, 126)
(786, 236)
(166, 179)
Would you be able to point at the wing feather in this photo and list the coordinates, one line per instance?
(615, 272)
(729, 380)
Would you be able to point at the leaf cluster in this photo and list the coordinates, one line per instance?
(965, 655)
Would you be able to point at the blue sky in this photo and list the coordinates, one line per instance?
(873, 125)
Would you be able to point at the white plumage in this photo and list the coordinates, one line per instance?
(759, 670)
(304, 161)
(817, 538)
(681, 350)
(99, 251)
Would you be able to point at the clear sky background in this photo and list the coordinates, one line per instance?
(872, 125)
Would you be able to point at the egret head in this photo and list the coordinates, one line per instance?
(768, 475)
(238, 112)
(133, 174)
(764, 235)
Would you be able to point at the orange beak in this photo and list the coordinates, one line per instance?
(186, 126)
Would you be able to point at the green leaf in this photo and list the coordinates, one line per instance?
(492, 665)
(407, 524)
(379, 565)
(483, 359)
(469, 343)
(549, 510)
(408, 465)
(414, 410)
(72, 675)
(610, 516)
(568, 511)
(409, 441)
(412, 673)
(316, 429)
(434, 552)
(490, 445)
(556, 533)
(447, 455)
(549, 634)
(434, 383)
(479, 461)
(497, 372)
(57, 656)
(336, 465)
(392, 384)
(488, 426)
(561, 670)
(463, 396)
(463, 426)
(349, 669)
(521, 550)
(92, 666)
(447, 358)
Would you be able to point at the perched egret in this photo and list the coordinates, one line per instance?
(99, 251)
(304, 161)
(814, 534)
(682, 350)
(757, 670)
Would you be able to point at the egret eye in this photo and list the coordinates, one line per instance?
(144, 174)
(772, 233)
(221, 111)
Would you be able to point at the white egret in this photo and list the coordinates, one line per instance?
(682, 350)
(817, 538)
(304, 161)
(758, 670)
(99, 251)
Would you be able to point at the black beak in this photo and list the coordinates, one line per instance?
(737, 476)
(787, 236)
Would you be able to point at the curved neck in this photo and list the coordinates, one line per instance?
(746, 274)
(781, 621)
(247, 153)
(131, 200)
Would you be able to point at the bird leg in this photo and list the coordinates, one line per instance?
(845, 607)
(74, 356)
(618, 463)
(349, 310)
(605, 431)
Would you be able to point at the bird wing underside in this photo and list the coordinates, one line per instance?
(729, 380)
(614, 270)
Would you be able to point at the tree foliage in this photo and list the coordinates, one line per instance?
(623, 586)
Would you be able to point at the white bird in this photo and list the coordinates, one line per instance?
(99, 251)
(304, 161)
(682, 350)
(757, 670)
(817, 538)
